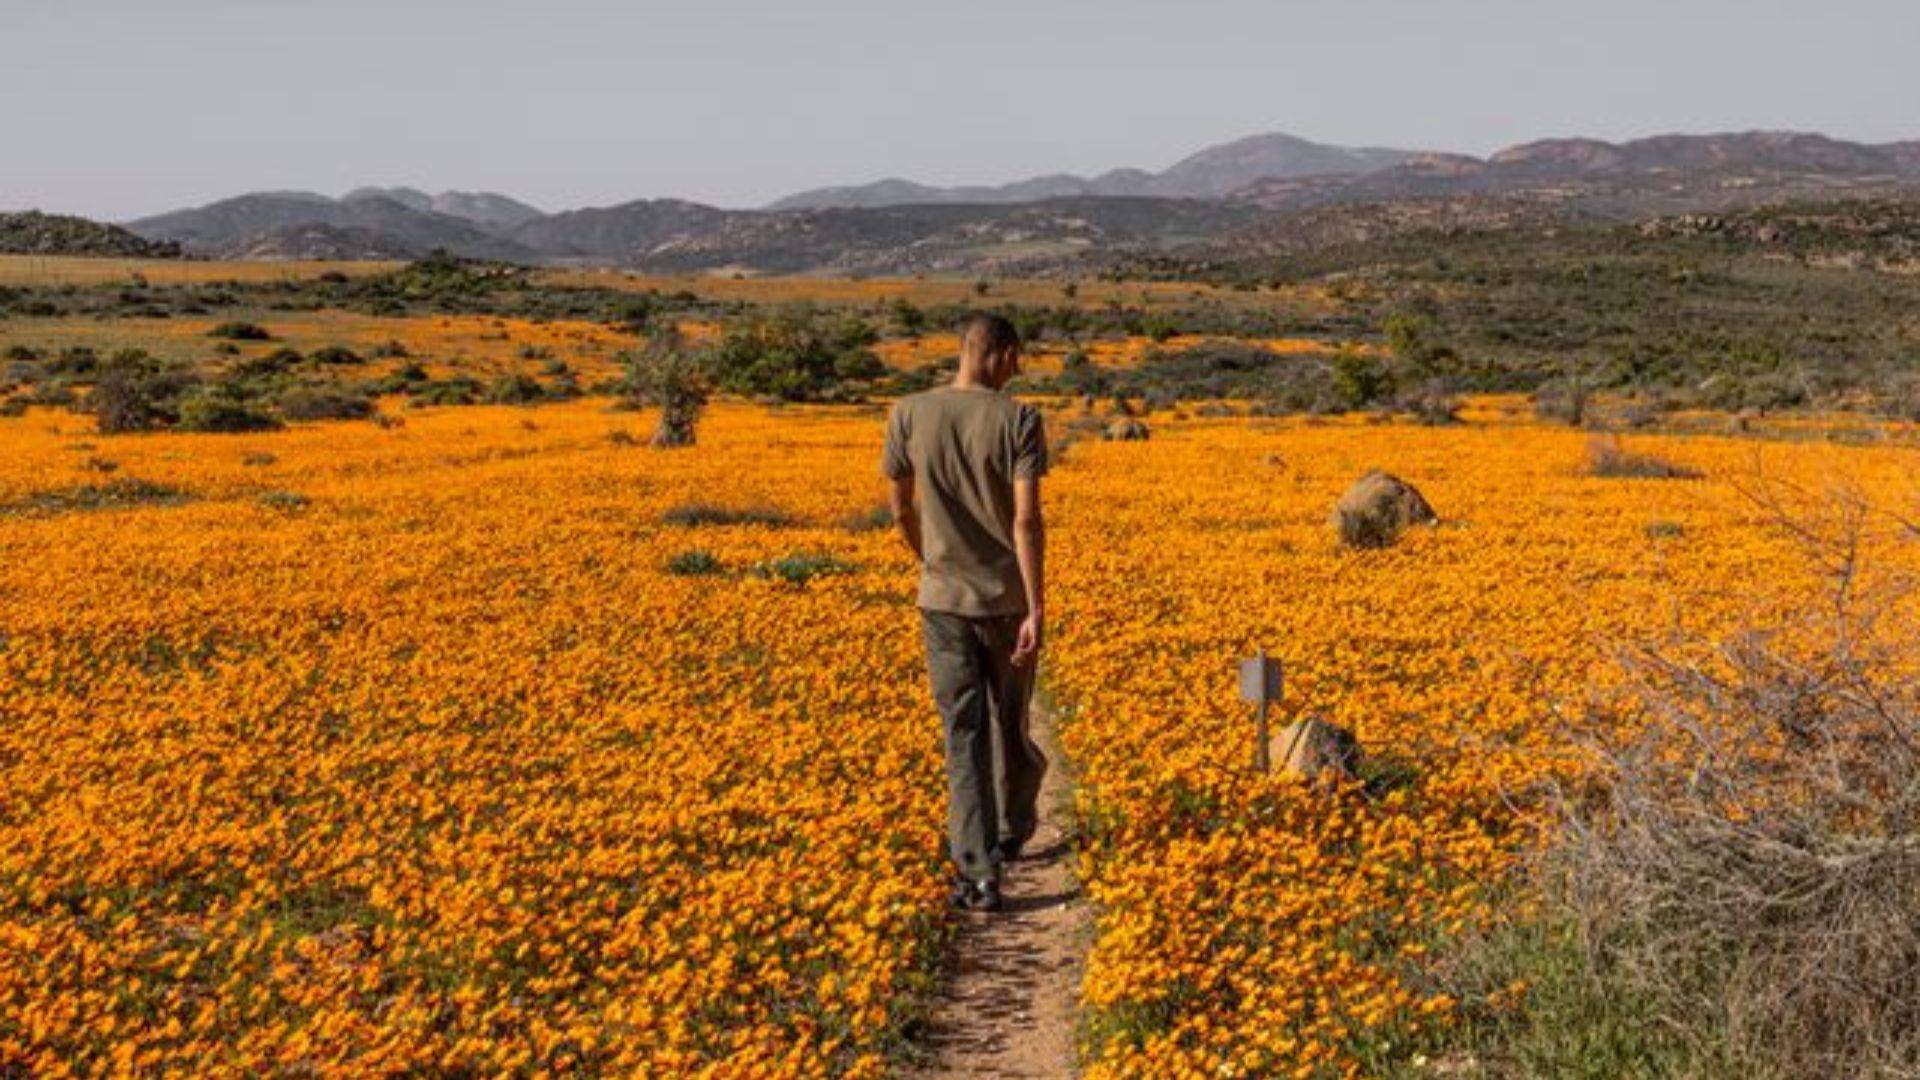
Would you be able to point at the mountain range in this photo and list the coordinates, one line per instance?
(1209, 174)
(1271, 191)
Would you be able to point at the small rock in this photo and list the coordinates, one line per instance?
(1313, 748)
(1377, 509)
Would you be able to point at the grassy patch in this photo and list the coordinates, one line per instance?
(109, 495)
(872, 519)
(1533, 1004)
(284, 500)
(798, 569)
(697, 514)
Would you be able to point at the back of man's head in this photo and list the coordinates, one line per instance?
(987, 335)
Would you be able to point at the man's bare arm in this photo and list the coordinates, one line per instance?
(1030, 548)
(905, 516)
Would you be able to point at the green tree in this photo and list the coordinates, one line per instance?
(796, 353)
(1411, 340)
(1360, 380)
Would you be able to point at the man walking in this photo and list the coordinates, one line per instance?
(966, 460)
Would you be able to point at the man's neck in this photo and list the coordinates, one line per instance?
(967, 381)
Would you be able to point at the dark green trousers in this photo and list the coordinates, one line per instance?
(993, 766)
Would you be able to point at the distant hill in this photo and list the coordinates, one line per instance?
(329, 242)
(481, 207)
(670, 235)
(34, 233)
(234, 227)
(1663, 174)
(629, 231)
(1210, 173)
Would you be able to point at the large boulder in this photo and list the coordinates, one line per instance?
(1313, 749)
(1377, 509)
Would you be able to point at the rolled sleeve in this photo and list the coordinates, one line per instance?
(1030, 445)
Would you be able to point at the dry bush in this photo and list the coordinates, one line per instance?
(1608, 458)
(1748, 868)
(1733, 887)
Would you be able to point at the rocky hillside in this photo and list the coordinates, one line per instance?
(1640, 178)
(35, 233)
(1210, 173)
(233, 228)
(480, 207)
(1025, 238)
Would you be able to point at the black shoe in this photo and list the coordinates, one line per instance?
(970, 895)
(1011, 848)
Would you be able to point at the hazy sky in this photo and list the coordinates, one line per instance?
(116, 108)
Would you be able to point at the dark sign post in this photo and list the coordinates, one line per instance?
(1260, 684)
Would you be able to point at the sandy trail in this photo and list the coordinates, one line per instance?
(1006, 1007)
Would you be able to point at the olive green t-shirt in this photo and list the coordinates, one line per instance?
(964, 447)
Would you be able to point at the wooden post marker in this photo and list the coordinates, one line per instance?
(1260, 685)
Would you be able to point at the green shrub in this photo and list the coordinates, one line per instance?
(796, 353)
(1360, 380)
(459, 390)
(516, 389)
(135, 392)
(909, 320)
(695, 563)
(337, 354)
(277, 362)
(240, 331)
(213, 412)
(324, 403)
(798, 569)
(74, 360)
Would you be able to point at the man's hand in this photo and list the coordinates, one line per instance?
(1026, 646)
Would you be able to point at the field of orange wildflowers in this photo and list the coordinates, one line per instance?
(1250, 926)
(352, 749)
(374, 752)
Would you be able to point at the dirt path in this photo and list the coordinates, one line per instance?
(1006, 1008)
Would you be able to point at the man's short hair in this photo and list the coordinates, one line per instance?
(988, 335)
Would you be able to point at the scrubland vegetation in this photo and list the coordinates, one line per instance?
(378, 700)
